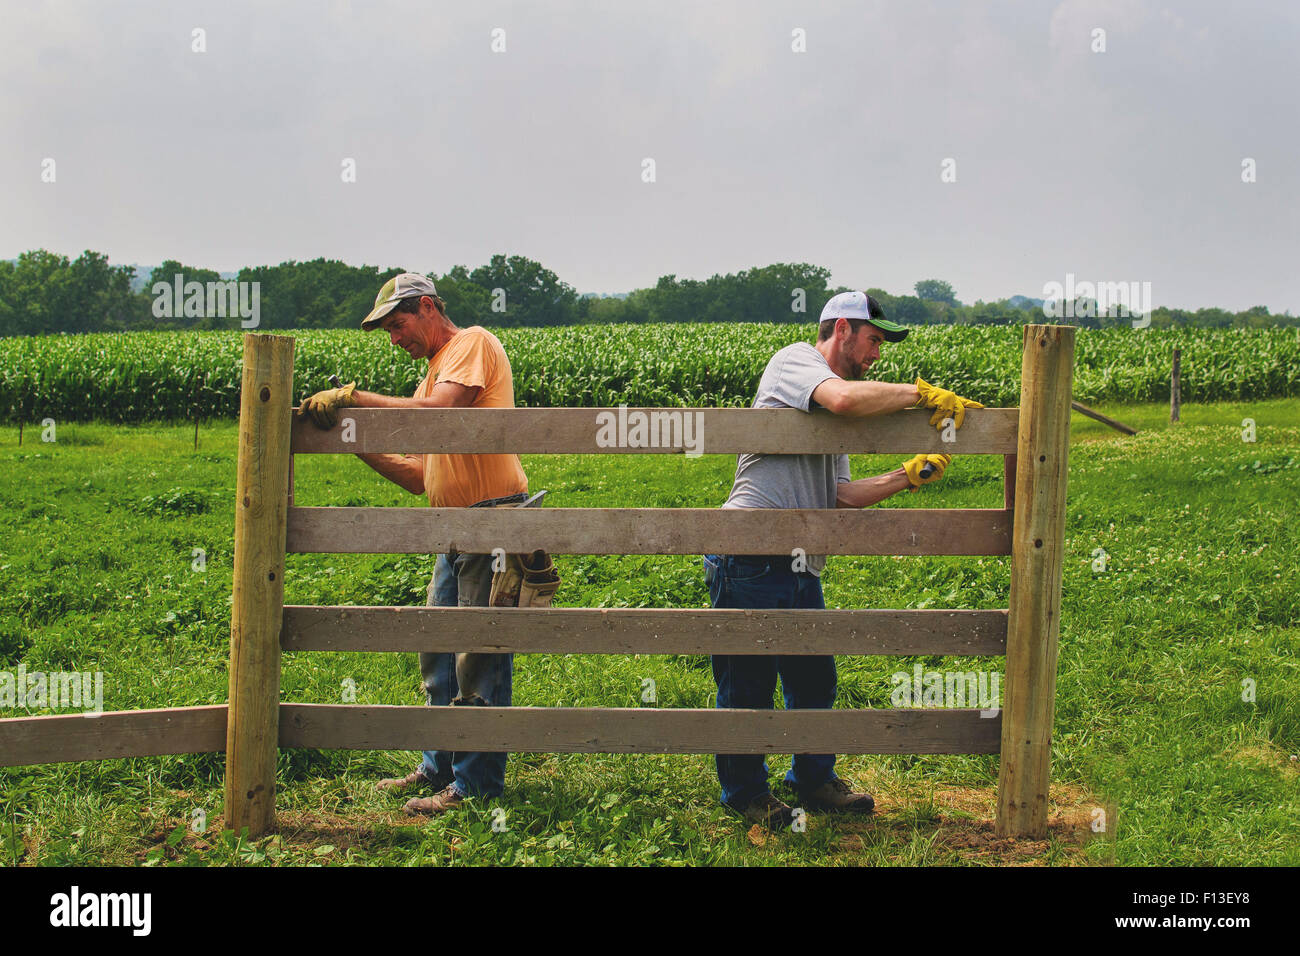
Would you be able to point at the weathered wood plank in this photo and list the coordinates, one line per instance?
(713, 431)
(486, 630)
(872, 531)
(638, 730)
(63, 738)
(262, 488)
(1034, 611)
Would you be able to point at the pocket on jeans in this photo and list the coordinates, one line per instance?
(747, 568)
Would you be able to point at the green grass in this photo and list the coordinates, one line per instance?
(1198, 594)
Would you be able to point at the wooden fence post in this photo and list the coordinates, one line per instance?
(1034, 606)
(261, 489)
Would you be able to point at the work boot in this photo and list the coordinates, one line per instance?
(834, 796)
(413, 779)
(440, 802)
(767, 810)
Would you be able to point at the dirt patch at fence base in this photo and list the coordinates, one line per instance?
(307, 829)
(301, 835)
(962, 824)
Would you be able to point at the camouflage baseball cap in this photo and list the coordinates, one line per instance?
(405, 286)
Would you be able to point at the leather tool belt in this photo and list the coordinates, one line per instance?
(527, 580)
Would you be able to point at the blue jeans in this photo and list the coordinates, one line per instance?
(465, 580)
(748, 681)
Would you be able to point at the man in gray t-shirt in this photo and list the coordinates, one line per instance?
(790, 481)
(803, 376)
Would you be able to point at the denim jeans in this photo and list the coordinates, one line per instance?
(748, 681)
(465, 580)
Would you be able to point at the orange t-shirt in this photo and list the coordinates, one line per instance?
(473, 357)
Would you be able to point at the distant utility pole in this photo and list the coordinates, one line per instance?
(1175, 394)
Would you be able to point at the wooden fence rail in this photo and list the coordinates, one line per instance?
(717, 431)
(562, 630)
(915, 531)
(645, 730)
(63, 738)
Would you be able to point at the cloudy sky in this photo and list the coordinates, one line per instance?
(1120, 165)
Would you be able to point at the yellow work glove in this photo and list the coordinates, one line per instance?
(945, 403)
(913, 468)
(323, 407)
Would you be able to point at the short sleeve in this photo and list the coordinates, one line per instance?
(467, 361)
(799, 373)
(842, 468)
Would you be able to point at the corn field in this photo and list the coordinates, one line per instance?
(161, 376)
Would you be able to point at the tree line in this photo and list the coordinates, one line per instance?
(43, 292)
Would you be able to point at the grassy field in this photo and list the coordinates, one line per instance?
(1198, 593)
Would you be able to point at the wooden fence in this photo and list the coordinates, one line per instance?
(1029, 527)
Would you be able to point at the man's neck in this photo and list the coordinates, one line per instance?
(445, 335)
(827, 349)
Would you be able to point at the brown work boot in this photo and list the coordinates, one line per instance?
(836, 795)
(413, 779)
(767, 810)
(440, 802)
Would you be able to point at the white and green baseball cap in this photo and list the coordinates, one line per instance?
(859, 305)
(408, 285)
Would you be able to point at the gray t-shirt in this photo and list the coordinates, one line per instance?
(790, 481)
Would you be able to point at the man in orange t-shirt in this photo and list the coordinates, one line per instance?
(468, 368)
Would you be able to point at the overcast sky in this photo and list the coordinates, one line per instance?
(1121, 165)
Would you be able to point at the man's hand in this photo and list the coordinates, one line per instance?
(323, 407)
(945, 403)
(913, 468)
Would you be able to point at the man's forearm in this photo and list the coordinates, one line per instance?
(376, 400)
(458, 396)
(404, 470)
(877, 398)
(408, 470)
(859, 399)
(868, 491)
